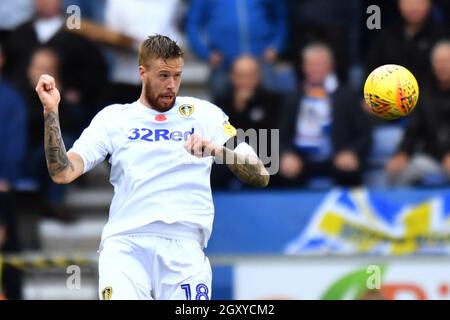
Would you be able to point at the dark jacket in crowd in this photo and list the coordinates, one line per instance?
(82, 64)
(428, 130)
(12, 132)
(325, 21)
(261, 112)
(392, 46)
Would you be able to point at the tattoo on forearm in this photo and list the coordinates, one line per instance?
(55, 151)
(251, 172)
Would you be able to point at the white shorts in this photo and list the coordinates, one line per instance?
(145, 266)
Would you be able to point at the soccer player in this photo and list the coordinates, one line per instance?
(161, 150)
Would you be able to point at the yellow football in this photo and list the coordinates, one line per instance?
(391, 91)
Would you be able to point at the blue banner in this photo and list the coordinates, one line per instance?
(361, 221)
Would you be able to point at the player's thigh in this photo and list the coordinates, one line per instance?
(184, 273)
(196, 287)
(122, 271)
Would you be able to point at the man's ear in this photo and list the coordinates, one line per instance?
(142, 71)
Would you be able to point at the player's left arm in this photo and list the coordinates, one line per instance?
(247, 167)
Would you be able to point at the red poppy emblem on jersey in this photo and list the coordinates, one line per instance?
(160, 117)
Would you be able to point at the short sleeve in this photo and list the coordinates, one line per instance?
(94, 144)
(221, 129)
(245, 149)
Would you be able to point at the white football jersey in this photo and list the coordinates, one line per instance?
(154, 177)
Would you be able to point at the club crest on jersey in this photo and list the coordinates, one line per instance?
(186, 110)
(107, 293)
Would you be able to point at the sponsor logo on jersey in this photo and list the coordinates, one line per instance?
(186, 110)
(107, 293)
(158, 134)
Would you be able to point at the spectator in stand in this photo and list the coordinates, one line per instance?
(424, 152)
(137, 19)
(249, 106)
(247, 102)
(408, 42)
(389, 15)
(12, 14)
(12, 147)
(45, 60)
(83, 66)
(324, 130)
(221, 31)
(328, 22)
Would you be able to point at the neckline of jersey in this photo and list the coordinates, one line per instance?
(153, 111)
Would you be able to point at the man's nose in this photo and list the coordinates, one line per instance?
(171, 83)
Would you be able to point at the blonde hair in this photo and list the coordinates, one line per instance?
(158, 47)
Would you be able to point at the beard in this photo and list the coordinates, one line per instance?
(159, 102)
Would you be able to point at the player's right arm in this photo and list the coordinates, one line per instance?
(63, 167)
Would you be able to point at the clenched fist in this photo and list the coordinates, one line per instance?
(199, 147)
(48, 93)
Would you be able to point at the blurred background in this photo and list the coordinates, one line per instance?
(360, 206)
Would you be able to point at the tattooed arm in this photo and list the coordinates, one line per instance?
(63, 167)
(249, 169)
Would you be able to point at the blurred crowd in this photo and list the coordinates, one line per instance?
(294, 65)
